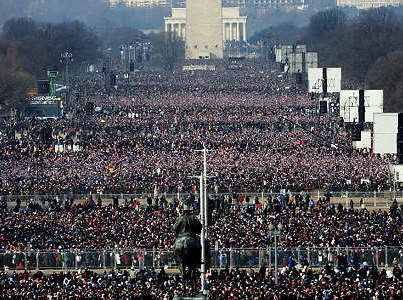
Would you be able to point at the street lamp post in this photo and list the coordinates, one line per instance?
(275, 230)
(203, 236)
(203, 218)
(66, 58)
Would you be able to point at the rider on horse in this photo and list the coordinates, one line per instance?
(187, 248)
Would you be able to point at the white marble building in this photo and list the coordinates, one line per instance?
(233, 24)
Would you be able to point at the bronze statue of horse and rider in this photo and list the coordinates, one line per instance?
(187, 248)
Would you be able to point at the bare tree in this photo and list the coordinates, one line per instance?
(14, 81)
(326, 22)
(168, 50)
(387, 74)
(52, 39)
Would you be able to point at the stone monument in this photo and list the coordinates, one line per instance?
(204, 36)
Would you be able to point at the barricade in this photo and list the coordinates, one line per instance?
(221, 258)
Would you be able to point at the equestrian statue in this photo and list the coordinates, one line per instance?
(187, 248)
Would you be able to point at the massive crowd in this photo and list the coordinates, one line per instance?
(265, 135)
(133, 226)
(264, 132)
(295, 282)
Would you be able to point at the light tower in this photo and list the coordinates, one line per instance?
(52, 75)
(66, 58)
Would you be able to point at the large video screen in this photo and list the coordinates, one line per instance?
(43, 111)
(316, 78)
(349, 102)
(385, 132)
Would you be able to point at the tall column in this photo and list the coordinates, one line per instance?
(244, 31)
(224, 38)
(183, 26)
(176, 29)
(237, 31)
(166, 26)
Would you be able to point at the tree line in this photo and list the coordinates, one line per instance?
(29, 48)
(368, 45)
(367, 48)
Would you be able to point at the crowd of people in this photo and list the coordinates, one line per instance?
(134, 226)
(264, 131)
(294, 282)
(265, 135)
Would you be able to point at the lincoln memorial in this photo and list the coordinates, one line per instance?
(233, 25)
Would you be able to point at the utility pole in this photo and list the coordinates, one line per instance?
(203, 218)
(203, 233)
(202, 237)
(205, 186)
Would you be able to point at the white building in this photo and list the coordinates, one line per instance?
(367, 4)
(289, 4)
(233, 24)
(140, 3)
